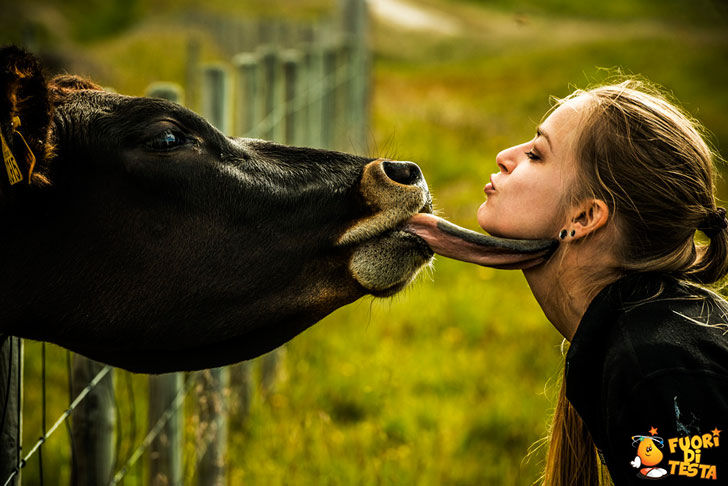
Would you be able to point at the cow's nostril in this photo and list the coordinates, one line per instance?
(407, 173)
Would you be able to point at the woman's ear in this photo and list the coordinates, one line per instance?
(586, 218)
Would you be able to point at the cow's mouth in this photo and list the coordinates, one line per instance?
(385, 264)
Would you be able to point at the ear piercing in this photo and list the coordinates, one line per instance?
(563, 233)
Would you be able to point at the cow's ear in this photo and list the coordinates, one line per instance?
(64, 84)
(25, 114)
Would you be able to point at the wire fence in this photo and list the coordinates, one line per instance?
(75, 403)
(153, 432)
(316, 95)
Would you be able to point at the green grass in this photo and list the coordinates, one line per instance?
(698, 12)
(445, 383)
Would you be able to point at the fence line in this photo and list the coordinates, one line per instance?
(276, 94)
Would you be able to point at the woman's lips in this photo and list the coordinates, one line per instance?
(489, 187)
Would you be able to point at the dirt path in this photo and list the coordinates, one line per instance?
(412, 17)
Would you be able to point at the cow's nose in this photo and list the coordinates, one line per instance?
(394, 190)
(407, 173)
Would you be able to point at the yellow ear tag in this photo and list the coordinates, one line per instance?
(31, 155)
(11, 166)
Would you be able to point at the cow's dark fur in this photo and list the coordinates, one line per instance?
(214, 251)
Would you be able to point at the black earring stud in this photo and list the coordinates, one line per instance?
(562, 235)
(573, 232)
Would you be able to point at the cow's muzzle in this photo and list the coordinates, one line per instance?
(386, 258)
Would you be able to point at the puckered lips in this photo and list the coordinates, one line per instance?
(452, 241)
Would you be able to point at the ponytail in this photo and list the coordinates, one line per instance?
(712, 259)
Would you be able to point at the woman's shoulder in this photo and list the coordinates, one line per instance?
(682, 326)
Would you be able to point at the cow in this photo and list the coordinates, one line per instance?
(135, 233)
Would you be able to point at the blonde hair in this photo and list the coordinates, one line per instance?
(651, 164)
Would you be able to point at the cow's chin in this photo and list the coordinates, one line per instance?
(384, 265)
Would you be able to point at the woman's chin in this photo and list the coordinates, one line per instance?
(502, 227)
(511, 233)
(495, 230)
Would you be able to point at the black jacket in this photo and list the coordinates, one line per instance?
(649, 376)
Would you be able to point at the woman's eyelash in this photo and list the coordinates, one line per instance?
(532, 156)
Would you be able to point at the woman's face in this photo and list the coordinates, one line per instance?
(525, 197)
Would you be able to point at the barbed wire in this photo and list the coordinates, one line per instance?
(92, 384)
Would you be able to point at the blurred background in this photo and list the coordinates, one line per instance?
(453, 380)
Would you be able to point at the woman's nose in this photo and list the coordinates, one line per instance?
(506, 160)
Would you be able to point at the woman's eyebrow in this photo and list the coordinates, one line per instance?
(541, 133)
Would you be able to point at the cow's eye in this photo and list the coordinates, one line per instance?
(166, 140)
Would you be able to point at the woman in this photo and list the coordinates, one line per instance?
(624, 179)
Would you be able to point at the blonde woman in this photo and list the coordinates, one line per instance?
(625, 181)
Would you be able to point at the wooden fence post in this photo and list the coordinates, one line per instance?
(247, 118)
(93, 425)
(305, 96)
(342, 80)
(167, 91)
(215, 96)
(355, 24)
(165, 452)
(213, 410)
(315, 75)
(292, 120)
(271, 93)
(247, 105)
(328, 83)
(241, 391)
(192, 75)
(247, 114)
(11, 385)
(213, 393)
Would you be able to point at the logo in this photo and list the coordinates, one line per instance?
(648, 455)
(686, 455)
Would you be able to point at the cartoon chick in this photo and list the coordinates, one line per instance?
(648, 455)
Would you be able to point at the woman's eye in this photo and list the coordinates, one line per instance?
(166, 140)
(532, 155)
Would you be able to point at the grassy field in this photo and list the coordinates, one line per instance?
(452, 381)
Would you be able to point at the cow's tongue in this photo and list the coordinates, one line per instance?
(447, 239)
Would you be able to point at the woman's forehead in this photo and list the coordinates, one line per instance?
(561, 126)
(570, 111)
